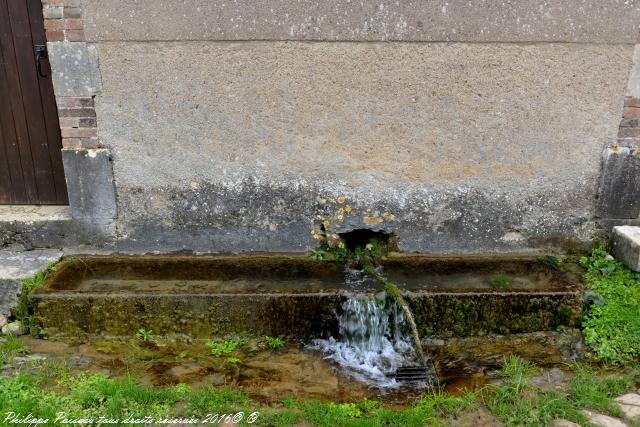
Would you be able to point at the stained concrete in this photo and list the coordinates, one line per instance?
(90, 183)
(619, 192)
(581, 21)
(248, 146)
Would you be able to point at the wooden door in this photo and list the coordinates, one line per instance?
(30, 146)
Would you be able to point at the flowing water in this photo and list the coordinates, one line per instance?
(371, 346)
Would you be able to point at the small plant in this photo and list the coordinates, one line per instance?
(392, 290)
(218, 348)
(233, 360)
(501, 281)
(318, 254)
(274, 343)
(182, 390)
(145, 336)
(552, 260)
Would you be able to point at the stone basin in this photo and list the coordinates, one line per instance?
(296, 297)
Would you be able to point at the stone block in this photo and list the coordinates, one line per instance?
(90, 183)
(630, 405)
(74, 68)
(619, 193)
(626, 245)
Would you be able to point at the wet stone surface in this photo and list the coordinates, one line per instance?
(266, 375)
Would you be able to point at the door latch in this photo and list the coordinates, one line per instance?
(41, 53)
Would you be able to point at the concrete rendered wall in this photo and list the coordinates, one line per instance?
(245, 125)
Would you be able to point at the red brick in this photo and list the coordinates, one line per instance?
(631, 102)
(80, 142)
(77, 112)
(54, 24)
(55, 36)
(629, 133)
(79, 132)
(74, 102)
(73, 24)
(631, 112)
(69, 122)
(88, 122)
(75, 35)
(630, 123)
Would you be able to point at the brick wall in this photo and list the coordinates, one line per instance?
(63, 23)
(630, 124)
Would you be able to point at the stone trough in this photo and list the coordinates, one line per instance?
(298, 298)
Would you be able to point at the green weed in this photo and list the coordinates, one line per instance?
(501, 281)
(612, 322)
(218, 348)
(145, 336)
(274, 343)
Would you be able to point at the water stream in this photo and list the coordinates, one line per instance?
(375, 340)
(371, 345)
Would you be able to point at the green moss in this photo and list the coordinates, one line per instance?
(24, 309)
(392, 291)
(552, 260)
(612, 326)
(501, 281)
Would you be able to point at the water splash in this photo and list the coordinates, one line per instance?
(371, 346)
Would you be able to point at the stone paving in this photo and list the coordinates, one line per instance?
(17, 265)
(629, 405)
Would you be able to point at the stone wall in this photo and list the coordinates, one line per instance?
(236, 126)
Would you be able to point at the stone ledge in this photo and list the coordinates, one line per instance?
(30, 213)
(626, 245)
(17, 266)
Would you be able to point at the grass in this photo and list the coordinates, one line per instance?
(10, 348)
(516, 403)
(24, 308)
(612, 322)
(274, 343)
(501, 281)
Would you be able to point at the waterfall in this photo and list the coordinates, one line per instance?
(372, 345)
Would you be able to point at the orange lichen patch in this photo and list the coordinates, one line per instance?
(373, 220)
(388, 216)
(347, 209)
(341, 199)
(615, 149)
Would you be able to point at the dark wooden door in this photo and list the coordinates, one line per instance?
(30, 146)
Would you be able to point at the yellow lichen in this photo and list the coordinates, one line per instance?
(372, 220)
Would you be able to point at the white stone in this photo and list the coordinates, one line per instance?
(14, 328)
(602, 420)
(630, 405)
(3, 321)
(626, 245)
